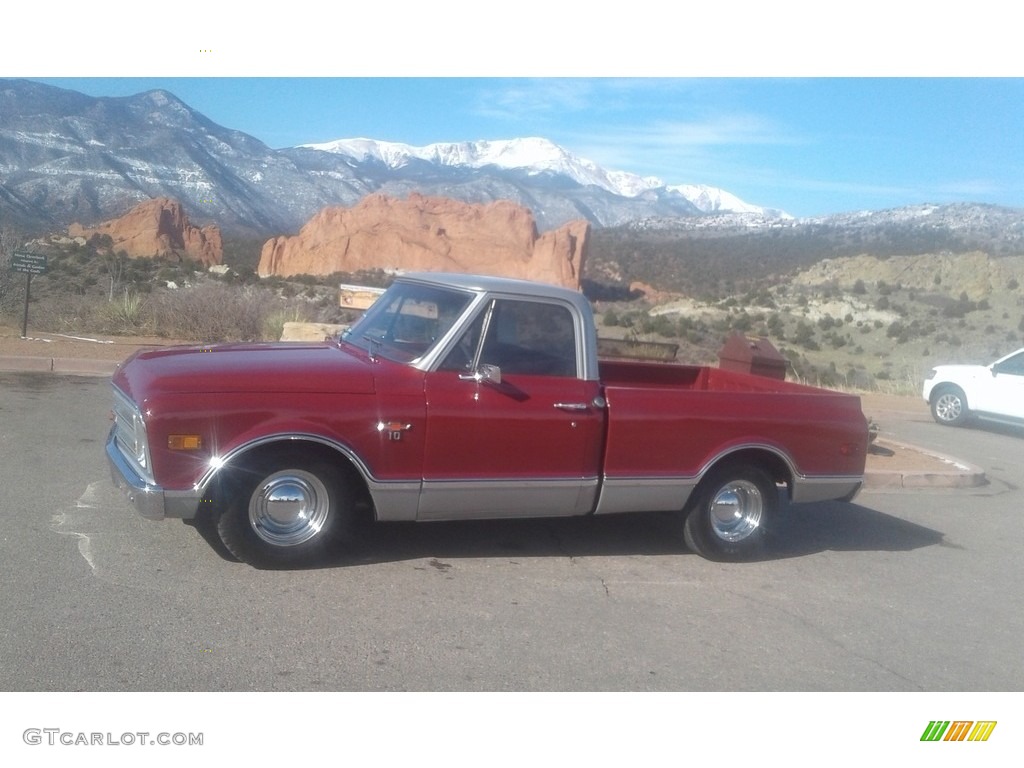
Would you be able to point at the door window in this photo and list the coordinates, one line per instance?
(1012, 365)
(520, 337)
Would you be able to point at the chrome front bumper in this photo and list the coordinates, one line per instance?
(150, 501)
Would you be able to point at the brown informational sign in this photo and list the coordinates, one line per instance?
(30, 264)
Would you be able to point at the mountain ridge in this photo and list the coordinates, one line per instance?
(66, 157)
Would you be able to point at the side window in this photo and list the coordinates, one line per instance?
(529, 338)
(460, 358)
(1013, 365)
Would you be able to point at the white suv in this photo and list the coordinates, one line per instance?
(958, 392)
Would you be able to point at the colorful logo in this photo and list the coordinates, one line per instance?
(958, 730)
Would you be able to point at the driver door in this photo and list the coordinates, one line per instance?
(512, 431)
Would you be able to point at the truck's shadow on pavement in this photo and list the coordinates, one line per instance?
(804, 529)
(799, 530)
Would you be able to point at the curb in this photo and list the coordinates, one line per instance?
(959, 475)
(69, 366)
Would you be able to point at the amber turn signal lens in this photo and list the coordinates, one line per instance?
(184, 442)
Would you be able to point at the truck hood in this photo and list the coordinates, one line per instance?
(273, 367)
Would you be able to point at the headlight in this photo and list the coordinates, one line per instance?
(130, 433)
(931, 374)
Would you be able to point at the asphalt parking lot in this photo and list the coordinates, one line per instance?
(903, 590)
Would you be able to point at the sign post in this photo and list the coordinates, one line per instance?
(30, 264)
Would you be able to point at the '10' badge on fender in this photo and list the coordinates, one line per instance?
(394, 429)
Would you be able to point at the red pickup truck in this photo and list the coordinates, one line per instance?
(460, 397)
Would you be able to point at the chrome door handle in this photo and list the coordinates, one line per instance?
(571, 406)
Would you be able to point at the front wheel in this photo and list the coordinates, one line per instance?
(725, 519)
(285, 511)
(949, 406)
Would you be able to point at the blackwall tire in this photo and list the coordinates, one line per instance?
(285, 511)
(727, 515)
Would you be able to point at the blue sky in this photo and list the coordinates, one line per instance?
(811, 146)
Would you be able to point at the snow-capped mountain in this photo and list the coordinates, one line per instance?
(714, 200)
(535, 156)
(532, 155)
(67, 157)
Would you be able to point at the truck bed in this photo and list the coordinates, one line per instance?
(674, 421)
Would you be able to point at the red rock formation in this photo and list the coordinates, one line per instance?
(158, 227)
(430, 234)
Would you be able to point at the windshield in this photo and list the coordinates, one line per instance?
(405, 322)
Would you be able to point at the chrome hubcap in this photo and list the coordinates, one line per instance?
(736, 510)
(289, 508)
(948, 407)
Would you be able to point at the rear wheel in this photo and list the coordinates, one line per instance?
(285, 510)
(949, 406)
(725, 519)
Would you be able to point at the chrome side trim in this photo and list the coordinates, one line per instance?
(630, 494)
(811, 489)
(492, 499)
(395, 502)
(219, 463)
(766, 447)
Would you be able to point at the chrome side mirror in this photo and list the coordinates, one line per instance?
(485, 374)
(489, 373)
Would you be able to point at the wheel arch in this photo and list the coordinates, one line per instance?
(771, 460)
(945, 386)
(312, 446)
